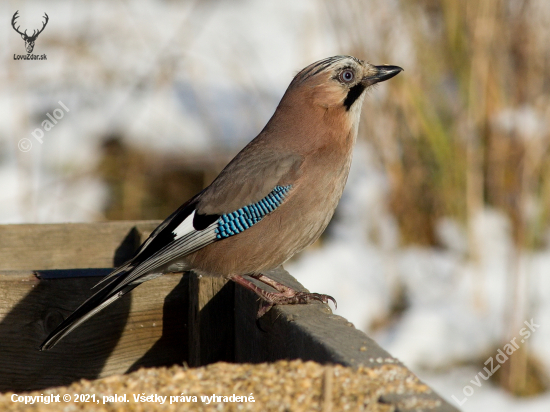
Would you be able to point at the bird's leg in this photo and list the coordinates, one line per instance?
(286, 291)
(284, 295)
(273, 283)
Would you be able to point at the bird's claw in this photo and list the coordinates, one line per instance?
(305, 297)
(299, 298)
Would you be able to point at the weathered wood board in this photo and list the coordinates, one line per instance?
(70, 245)
(144, 328)
(313, 332)
(173, 319)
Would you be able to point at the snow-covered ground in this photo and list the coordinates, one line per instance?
(187, 78)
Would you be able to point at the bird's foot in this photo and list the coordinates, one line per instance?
(284, 295)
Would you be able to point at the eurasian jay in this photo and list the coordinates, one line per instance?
(271, 201)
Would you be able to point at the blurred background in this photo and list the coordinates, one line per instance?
(440, 248)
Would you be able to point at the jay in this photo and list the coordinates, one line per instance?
(271, 201)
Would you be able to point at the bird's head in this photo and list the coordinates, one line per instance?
(322, 105)
(340, 81)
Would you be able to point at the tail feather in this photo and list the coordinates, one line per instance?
(149, 262)
(111, 292)
(124, 268)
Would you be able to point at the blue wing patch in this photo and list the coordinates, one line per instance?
(234, 223)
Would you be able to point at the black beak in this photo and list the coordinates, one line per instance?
(383, 73)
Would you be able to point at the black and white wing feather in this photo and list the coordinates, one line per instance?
(175, 237)
(248, 189)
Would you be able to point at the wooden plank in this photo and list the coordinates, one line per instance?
(70, 245)
(168, 320)
(311, 332)
(145, 328)
(211, 320)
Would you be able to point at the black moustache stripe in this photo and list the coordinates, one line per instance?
(353, 95)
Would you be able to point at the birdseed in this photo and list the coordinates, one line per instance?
(281, 386)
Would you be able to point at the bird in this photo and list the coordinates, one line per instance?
(275, 198)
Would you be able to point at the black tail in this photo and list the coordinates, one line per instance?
(97, 302)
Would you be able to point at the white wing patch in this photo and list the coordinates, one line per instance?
(186, 240)
(185, 227)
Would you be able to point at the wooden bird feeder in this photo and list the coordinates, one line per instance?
(46, 271)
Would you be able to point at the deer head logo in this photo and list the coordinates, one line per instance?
(29, 40)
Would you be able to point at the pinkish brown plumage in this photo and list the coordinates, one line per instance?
(271, 201)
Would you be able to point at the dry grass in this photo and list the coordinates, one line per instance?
(469, 129)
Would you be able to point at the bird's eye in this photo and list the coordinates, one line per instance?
(347, 76)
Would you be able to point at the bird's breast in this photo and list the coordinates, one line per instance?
(294, 225)
(320, 189)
